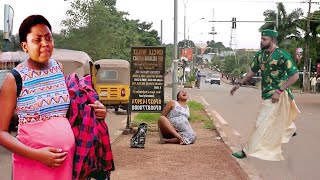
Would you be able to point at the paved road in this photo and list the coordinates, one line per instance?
(115, 120)
(239, 112)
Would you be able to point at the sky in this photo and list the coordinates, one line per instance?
(153, 11)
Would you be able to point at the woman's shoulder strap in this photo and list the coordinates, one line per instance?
(18, 79)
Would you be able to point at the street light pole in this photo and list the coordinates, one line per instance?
(185, 21)
(175, 52)
(277, 16)
(306, 52)
(191, 25)
(192, 70)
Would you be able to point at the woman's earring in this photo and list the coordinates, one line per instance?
(26, 51)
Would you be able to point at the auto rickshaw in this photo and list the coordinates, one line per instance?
(111, 80)
(72, 61)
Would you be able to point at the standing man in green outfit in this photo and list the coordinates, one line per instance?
(274, 124)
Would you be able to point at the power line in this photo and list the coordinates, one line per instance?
(255, 1)
(247, 21)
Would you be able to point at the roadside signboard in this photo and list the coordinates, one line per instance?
(147, 78)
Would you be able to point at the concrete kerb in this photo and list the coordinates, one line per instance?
(252, 175)
(123, 130)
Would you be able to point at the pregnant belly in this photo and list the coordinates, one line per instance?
(55, 132)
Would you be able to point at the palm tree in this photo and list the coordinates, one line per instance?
(287, 23)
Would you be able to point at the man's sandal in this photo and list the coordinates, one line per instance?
(240, 155)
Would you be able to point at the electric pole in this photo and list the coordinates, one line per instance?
(306, 53)
(213, 32)
(175, 51)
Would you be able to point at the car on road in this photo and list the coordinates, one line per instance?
(208, 78)
(215, 79)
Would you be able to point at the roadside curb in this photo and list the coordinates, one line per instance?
(252, 174)
(123, 130)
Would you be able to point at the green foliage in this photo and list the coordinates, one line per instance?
(194, 105)
(289, 29)
(12, 45)
(208, 124)
(191, 78)
(186, 43)
(287, 23)
(197, 114)
(96, 27)
(149, 118)
(169, 56)
(216, 47)
(229, 64)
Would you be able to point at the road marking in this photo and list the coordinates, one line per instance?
(222, 121)
(235, 132)
(204, 101)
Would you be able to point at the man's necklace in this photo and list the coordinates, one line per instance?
(264, 62)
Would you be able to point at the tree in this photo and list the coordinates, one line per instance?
(169, 55)
(217, 47)
(287, 23)
(13, 45)
(229, 64)
(186, 43)
(96, 27)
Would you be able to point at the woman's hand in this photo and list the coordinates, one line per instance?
(99, 110)
(50, 156)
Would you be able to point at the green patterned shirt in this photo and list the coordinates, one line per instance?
(275, 70)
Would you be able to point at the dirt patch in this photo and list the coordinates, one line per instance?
(208, 158)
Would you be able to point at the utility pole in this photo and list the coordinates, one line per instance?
(185, 21)
(233, 44)
(277, 17)
(233, 34)
(306, 78)
(213, 29)
(161, 32)
(175, 52)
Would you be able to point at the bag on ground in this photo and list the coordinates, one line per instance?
(139, 138)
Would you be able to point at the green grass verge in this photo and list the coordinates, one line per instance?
(195, 106)
(149, 118)
(197, 114)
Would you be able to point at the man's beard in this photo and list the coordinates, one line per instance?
(267, 46)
